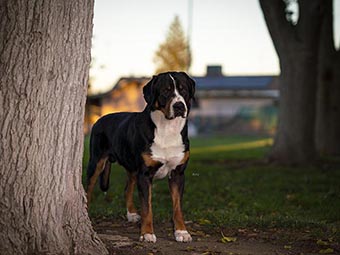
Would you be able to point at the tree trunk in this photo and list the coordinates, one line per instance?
(297, 47)
(328, 97)
(44, 62)
(294, 141)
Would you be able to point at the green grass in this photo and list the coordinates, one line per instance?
(228, 185)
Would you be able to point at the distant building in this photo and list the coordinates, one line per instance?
(235, 104)
(125, 96)
(224, 104)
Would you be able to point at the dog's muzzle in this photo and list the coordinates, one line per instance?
(179, 109)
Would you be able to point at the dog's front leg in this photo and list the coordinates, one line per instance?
(144, 183)
(176, 186)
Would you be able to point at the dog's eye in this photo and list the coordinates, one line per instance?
(181, 89)
(167, 90)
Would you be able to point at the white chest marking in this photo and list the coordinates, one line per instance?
(167, 146)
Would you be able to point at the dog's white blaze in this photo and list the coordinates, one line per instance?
(167, 147)
(177, 98)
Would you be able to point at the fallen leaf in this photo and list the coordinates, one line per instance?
(190, 248)
(197, 233)
(320, 242)
(204, 221)
(326, 251)
(290, 196)
(227, 239)
(287, 247)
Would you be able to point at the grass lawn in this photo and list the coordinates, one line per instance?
(229, 185)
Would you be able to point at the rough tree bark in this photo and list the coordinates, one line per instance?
(328, 96)
(297, 48)
(44, 62)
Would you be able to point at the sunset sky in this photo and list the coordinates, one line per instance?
(225, 32)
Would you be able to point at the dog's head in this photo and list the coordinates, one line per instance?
(170, 93)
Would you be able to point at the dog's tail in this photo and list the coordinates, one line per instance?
(104, 178)
(92, 164)
(99, 164)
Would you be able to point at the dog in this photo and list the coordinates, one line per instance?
(151, 144)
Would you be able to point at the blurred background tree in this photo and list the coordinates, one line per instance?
(297, 45)
(328, 93)
(174, 53)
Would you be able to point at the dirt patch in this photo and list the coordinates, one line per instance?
(122, 237)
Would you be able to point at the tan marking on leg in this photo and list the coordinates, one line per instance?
(149, 161)
(176, 207)
(93, 179)
(129, 193)
(146, 213)
(185, 157)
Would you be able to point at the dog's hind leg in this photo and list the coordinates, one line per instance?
(131, 213)
(104, 177)
(95, 168)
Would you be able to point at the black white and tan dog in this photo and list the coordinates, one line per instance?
(150, 145)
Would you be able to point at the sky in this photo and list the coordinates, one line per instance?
(229, 33)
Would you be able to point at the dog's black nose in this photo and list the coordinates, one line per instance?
(179, 109)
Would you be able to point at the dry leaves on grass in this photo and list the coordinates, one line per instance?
(227, 239)
(326, 251)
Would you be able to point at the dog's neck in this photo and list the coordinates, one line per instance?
(165, 125)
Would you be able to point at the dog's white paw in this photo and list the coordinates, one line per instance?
(132, 217)
(149, 238)
(182, 236)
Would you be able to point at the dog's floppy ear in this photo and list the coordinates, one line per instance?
(191, 84)
(149, 90)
